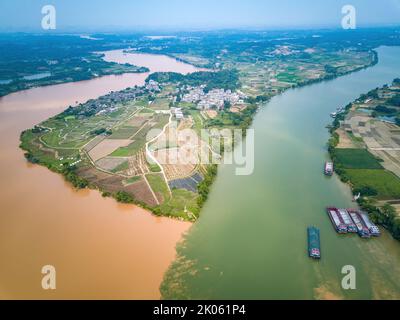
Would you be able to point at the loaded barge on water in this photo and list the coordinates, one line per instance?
(373, 229)
(329, 168)
(351, 227)
(337, 220)
(352, 221)
(363, 231)
(314, 243)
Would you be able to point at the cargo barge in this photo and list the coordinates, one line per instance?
(373, 229)
(351, 227)
(328, 170)
(362, 230)
(314, 243)
(337, 220)
(352, 221)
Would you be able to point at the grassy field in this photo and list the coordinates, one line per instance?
(384, 182)
(160, 104)
(198, 121)
(132, 180)
(123, 166)
(140, 139)
(73, 132)
(146, 112)
(124, 132)
(181, 200)
(138, 143)
(356, 159)
(30, 141)
(288, 77)
(161, 120)
(158, 185)
(143, 102)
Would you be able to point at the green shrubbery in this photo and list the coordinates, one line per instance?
(31, 158)
(385, 216)
(204, 186)
(100, 131)
(71, 176)
(366, 191)
(124, 197)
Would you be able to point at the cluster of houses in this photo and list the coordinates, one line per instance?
(177, 112)
(107, 103)
(215, 98)
(153, 86)
(106, 109)
(283, 51)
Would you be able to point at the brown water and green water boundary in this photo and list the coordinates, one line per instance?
(250, 241)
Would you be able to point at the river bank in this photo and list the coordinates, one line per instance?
(158, 196)
(90, 66)
(38, 215)
(366, 173)
(101, 249)
(76, 135)
(254, 245)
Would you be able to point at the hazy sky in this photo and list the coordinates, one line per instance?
(103, 15)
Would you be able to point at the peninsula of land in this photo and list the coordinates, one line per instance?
(103, 144)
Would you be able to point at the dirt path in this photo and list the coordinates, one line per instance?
(151, 190)
(148, 152)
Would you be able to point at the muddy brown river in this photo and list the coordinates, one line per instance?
(100, 249)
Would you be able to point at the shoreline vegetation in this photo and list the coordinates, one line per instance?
(102, 69)
(32, 61)
(374, 187)
(167, 200)
(70, 173)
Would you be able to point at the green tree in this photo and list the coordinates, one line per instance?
(124, 197)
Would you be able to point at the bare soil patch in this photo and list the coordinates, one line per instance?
(344, 139)
(137, 121)
(212, 114)
(107, 147)
(109, 163)
(113, 183)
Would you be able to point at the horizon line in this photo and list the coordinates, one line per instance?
(165, 30)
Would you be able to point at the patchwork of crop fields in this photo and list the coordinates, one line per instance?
(365, 171)
(110, 143)
(356, 159)
(270, 76)
(108, 150)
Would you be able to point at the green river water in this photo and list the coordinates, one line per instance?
(250, 242)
